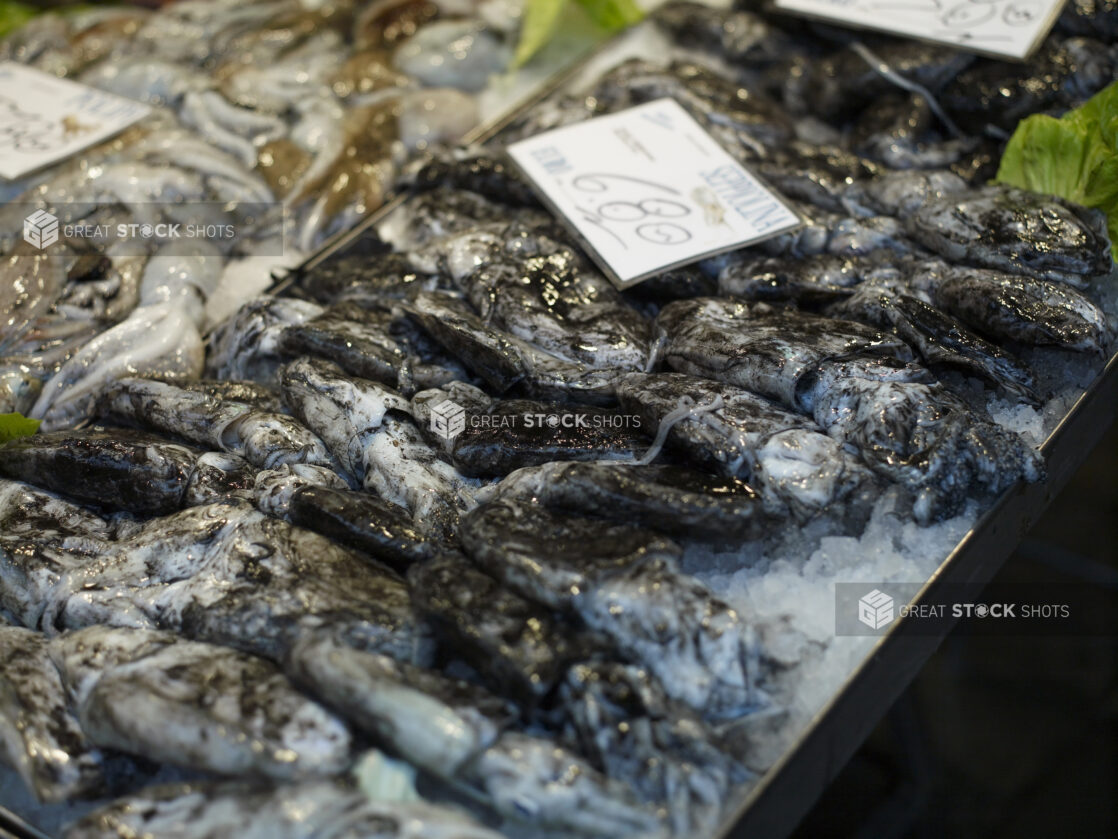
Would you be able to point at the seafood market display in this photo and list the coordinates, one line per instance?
(283, 119)
(453, 538)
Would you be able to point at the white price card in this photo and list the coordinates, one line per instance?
(44, 119)
(999, 28)
(648, 189)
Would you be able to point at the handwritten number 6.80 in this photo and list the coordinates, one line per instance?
(636, 210)
(644, 210)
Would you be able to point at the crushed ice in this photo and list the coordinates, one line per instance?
(785, 588)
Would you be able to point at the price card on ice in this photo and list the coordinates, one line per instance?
(647, 189)
(44, 119)
(1000, 28)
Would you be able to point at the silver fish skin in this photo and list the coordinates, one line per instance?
(902, 194)
(434, 219)
(345, 411)
(625, 584)
(273, 490)
(521, 649)
(1017, 231)
(356, 338)
(200, 706)
(369, 429)
(116, 469)
(1012, 307)
(289, 811)
(505, 361)
(457, 732)
(884, 302)
(247, 346)
(861, 387)
(705, 338)
(42, 538)
(543, 291)
(409, 472)
(161, 340)
(39, 736)
(797, 469)
(439, 733)
(621, 719)
(265, 439)
(227, 574)
(675, 501)
(506, 434)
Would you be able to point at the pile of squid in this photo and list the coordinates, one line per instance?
(281, 120)
(428, 511)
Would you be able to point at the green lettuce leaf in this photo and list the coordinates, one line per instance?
(14, 426)
(14, 15)
(1075, 156)
(541, 19)
(544, 18)
(612, 15)
(1046, 155)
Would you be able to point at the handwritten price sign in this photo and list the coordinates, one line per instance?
(647, 190)
(647, 218)
(1001, 28)
(44, 119)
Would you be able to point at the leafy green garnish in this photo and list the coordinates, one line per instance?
(14, 15)
(14, 426)
(612, 15)
(542, 19)
(1075, 156)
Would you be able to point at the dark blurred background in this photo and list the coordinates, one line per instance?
(1005, 737)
